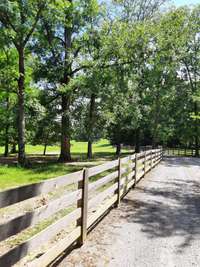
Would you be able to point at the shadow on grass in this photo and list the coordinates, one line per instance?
(36, 159)
(104, 145)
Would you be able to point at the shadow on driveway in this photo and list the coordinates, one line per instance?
(168, 208)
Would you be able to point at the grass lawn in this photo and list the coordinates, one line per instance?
(12, 176)
(77, 148)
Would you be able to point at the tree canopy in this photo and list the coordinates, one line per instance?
(126, 70)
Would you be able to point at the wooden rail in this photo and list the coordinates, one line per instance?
(95, 190)
(177, 151)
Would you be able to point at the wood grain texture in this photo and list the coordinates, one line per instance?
(19, 223)
(57, 249)
(101, 168)
(15, 195)
(20, 251)
(102, 181)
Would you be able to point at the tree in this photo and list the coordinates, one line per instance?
(65, 35)
(19, 20)
(8, 74)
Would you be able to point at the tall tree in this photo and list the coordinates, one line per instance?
(19, 19)
(62, 50)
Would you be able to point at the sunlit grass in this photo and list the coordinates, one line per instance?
(76, 148)
(12, 176)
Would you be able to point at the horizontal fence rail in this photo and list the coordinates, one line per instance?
(83, 198)
(177, 151)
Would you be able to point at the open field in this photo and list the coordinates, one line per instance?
(47, 167)
(79, 149)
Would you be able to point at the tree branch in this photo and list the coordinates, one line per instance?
(34, 24)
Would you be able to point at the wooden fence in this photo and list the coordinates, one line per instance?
(89, 193)
(177, 151)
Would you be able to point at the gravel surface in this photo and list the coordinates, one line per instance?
(157, 224)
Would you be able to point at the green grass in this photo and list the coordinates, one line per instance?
(12, 176)
(77, 148)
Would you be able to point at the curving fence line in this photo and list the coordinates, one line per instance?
(78, 199)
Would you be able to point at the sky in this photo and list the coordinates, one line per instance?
(185, 2)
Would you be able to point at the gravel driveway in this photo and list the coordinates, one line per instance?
(157, 224)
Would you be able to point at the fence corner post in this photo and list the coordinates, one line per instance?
(84, 207)
(119, 183)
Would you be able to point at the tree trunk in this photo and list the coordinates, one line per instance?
(118, 150)
(196, 131)
(6, 151)
(89, 150)
(91, 124)
(137, 144)
(45, 149)
(21, 109)
(65, 153)
(13, 149)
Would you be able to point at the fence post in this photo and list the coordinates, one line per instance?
(151, 159)
(84, 207)
(119, 182)
(156, 158)
(144, 162)
(135, 168)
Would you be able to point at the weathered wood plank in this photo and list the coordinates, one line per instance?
(148, 152)
(136, 167)
(130, 184)
(140, 155)
(140, 175)
(131, 166)
(102, 181)
(127, 159)
(124, 170)
(15, 195)
(17, 253)
(140, 161)
(57, 249)
(148, 157)
(140, 167)
(93, 218)
(99, 198)
(119, 181)
(84, 207)
(128, 177)
(101, 168)
(19, 223)
(145, 162)
(148, 168)
(125, 181)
